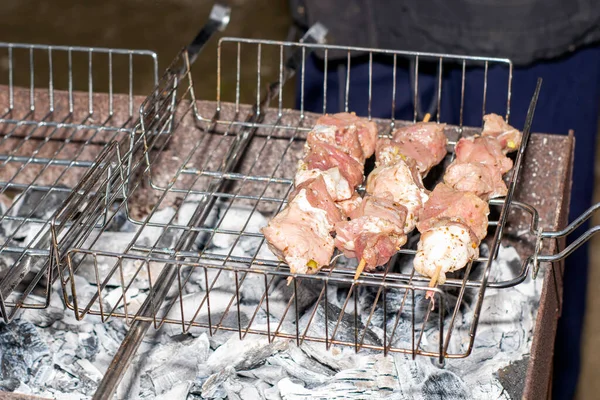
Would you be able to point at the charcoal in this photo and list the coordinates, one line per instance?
(185, 213)
(213, 386)
(9, 385)
(157, 235)
(33, 204)
(6, 259)
(173, 363)
(181, 369)
(135, 384)
(219, 300)
(46, 374)
(396, 300)
(88, 345)
(244, 354)
(345, 330)
(337, 358)
(237, 219)
(90, 371)
(202, 375)
(45, 317)
(117, 242)
(296, 364)
(177, 364)
(268, 373)
(374, 378)
(241, 389)
(22, 351)
(445, 385)
(272, 393)
(307, 293)
(178, 392)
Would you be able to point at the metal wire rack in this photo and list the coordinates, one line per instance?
(51, 131)
(182, 159)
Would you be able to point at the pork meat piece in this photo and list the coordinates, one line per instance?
(388, 153)
(482, 149)
(448, 204)
(324, 156)
(317, 195)
(365, 129)
(344, 138)
(347, 207)
(424, 142)
(337, 186)
(508, 137)
(300, 233)
(375, 232)
(482, 179)
(403, 183)
(447, 245)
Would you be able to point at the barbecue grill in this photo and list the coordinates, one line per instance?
(207, 160)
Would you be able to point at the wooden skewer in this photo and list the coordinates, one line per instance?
(432, 283)
(289, 280)
(360, 268)
(427, 117)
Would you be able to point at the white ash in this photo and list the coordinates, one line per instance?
(70, 356)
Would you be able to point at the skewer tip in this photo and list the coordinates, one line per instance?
(360, 268)
(432, 283)
(289, 280)
(427, 117)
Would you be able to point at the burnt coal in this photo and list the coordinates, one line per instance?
(445, 385)
(23, 352)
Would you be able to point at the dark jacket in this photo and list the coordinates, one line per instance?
(522, 30)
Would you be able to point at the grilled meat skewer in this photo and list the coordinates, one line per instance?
(454, 220)
(396, 181)
(325, 184)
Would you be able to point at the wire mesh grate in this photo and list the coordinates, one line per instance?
(227, 279)
(51, 131)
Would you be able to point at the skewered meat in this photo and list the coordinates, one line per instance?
(484, 150)
(402, 182)
(445, 248)
(423, 142)
(300, 233)
(318, 197)
(394, 186)
(452, 225)
(508, 137)
(347, 207)
(483, 180)
(454, 219)
(332, 168)
(375, 232)
(366, 130)
(345, 139)
(388, 152)
(481, 161)
(338, 187)
(324, 156)
(448, 204)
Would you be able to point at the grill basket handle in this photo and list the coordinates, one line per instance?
(569, 229)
